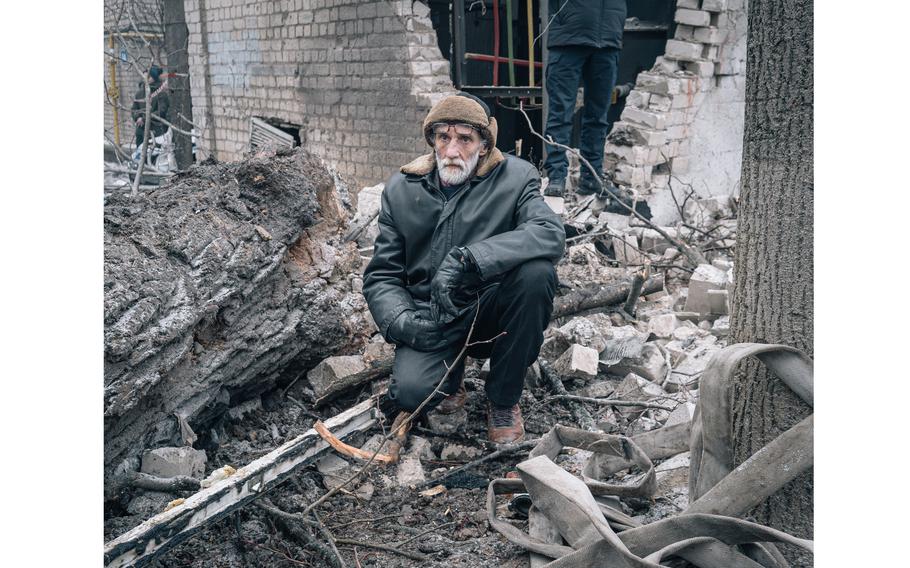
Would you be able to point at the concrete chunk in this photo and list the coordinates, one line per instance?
(556, 204)
(588, 332)
(651, 364)
(171, 462)
(578, 361)
(705, 280)
(325, 377)
(663, 325)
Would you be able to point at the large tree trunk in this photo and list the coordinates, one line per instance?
(175, 44)
(772, 301)
(215, 285)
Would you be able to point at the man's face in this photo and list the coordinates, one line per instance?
(458, 149)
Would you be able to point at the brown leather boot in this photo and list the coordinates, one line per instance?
(504, 425)
(454, 402)
(400, 431)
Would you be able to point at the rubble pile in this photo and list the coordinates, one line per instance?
(260, 312)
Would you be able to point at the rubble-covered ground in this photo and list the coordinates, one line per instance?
(654, 355)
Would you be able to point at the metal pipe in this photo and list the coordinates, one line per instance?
(531, 43)
(495, 42)
(484, 57)
(114, 91)
(509, 40)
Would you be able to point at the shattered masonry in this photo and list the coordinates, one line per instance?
(685, 116)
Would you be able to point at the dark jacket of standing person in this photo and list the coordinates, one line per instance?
(593, 23)
(160, 104)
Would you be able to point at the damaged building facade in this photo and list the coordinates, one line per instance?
(352, 80)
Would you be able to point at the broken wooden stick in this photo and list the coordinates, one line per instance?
(158, 534)
(603, 401)
(348, 449)
(638, 280)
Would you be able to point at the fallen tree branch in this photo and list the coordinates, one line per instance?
(424, 533)
(408, 554)
(166, 484)
(601, 401)
(599, 295)
(303, 536)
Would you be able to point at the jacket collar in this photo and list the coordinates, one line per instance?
(427, 163)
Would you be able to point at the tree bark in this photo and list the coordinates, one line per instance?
(218, 286)
(176, 38)
(772, 299)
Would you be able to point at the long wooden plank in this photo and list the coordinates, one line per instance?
(158, 534)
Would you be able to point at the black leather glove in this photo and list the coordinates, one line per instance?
(453, 284)
(417, 331)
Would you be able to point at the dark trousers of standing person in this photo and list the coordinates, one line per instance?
(520, 305)
(568, 67)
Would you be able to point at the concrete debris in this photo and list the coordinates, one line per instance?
(171, 462)
(650, 364)
(662, 326)
(643, 424)
(324, 376)
(683, 413)
(554, 344)
(608, 422)
(447, 424)
(459, 452)
(721, 326)
(590, 331)
(625, 342)
(599, 389)
(704, 212)
(421, 447)
(636, 387)
(368, 204)
(707, 291)
(410, 471)
(673, 475)
(334, 470)
(578, 361)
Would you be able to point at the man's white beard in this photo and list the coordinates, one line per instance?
(453, 176)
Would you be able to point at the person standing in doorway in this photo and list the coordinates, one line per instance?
(584, 40)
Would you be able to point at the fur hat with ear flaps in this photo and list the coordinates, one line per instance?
(459, 108)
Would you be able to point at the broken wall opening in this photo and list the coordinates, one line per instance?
(485, 70)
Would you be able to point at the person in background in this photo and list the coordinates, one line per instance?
(160, 103)
(584, 40)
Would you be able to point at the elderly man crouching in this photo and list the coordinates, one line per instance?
(461, 229)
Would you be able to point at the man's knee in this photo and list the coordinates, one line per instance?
(536, 276)
(415, 375)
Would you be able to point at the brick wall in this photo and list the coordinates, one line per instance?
(358, 76)
(682, 124)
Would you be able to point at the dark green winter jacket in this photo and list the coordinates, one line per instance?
(500, 216)
(594, 23)
(161, 103)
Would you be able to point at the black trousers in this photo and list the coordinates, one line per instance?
(567, 68)
(520, 305)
